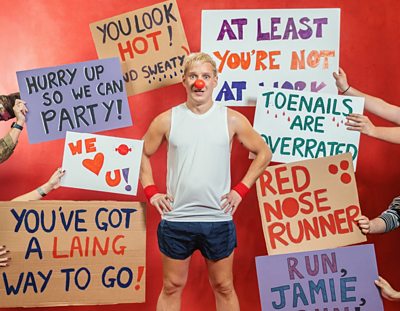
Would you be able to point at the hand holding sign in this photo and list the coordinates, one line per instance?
(3, 259)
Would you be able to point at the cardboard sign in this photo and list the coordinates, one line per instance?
(290, 49)
(73, 253)
(330, 279)
(309, 205)
(302, 125)
(102, 163)
(86, 97)
(150, 43)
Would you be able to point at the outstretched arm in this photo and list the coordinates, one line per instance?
(40, 192)
(373, 104)
(376, 225)
(387, 221)
(8, 143)
(20, 112)
(153, 138)
(242, 129)
(362, 124)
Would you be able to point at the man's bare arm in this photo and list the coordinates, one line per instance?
(158, 132)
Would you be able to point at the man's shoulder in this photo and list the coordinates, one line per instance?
(163, 120)
(163, 116)
(234, 115)
(237, 121)
(165, 113)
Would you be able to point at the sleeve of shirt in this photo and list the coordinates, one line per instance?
(7, 147)
(391, 216)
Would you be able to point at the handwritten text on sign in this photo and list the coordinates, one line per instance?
(71, 252)
(326, 280)
(290, 49)
(303, 125)
(103, 163)
(150, 42)
(88, 96)
(309, 205)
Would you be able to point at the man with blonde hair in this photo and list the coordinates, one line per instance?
(199, 204)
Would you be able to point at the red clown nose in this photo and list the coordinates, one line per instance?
(199, 84)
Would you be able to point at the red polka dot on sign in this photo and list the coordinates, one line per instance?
(290, 207)
(333, 169)
(345, 178)
(344, 165)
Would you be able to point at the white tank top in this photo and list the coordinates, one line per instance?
(198, 170)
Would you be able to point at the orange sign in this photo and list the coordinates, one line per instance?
(309, 205)
(150, 43)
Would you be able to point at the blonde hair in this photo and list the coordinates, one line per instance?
(199, 57)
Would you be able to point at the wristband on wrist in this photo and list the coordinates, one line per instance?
(346, 90)
(17, 126)
(241, 189)
(150, 191)
(41, 192)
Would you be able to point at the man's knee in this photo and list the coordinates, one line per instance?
(223, 287)
(173, 286)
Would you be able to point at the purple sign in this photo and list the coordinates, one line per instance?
(340, 279)
(82, 97)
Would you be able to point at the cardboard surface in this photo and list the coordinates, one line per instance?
(73, 253)
(309, 205)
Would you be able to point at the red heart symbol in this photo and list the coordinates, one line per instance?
(94, 165)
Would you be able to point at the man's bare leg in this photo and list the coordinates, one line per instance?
(175, 273)
(221, 279)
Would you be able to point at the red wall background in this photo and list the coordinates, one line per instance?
(42, 33)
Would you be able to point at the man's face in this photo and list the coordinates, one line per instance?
(202, 71)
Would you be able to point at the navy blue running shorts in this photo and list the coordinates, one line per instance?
(215, 240)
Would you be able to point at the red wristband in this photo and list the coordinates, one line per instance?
(150, 190)
(241, 189)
